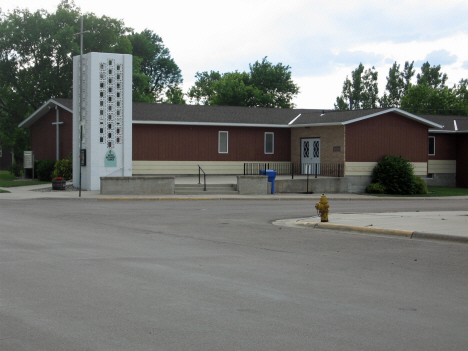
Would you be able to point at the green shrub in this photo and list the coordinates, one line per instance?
(375, 188)
(15, 169)
(420, 186)
(395, 173)
(45, 169)
(64, 169)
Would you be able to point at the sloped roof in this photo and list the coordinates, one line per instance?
(449, 123)
(338, 117)
(154, 113)
(213, 115)
(66, 104)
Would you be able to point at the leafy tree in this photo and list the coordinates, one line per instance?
(274, 84)
(235, 89)
(36, 62)
(266, 85)
(203, 91)
(398, 83)
(156, 63)
(370, 95)
(175, 96)
(408, 74)
(359, 92)
(431, 76)
(426, 100)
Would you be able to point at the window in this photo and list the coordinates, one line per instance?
(431, 146)
(269, 143)
(223, 142)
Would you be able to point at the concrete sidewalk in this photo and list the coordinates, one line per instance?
(448, 226)
(452, 226)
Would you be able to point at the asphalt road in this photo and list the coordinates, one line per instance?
(217, 275)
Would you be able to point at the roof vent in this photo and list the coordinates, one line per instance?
(455, 126)
(323, 113)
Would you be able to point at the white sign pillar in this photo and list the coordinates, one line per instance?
(106, 118)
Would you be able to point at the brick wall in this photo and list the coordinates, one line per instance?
(332, 139)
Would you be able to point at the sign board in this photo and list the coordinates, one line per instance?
(83, 157)
(111, 159)
(28, 159)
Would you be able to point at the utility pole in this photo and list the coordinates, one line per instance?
(80, 109)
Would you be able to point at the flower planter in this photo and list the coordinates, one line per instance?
(58, 184)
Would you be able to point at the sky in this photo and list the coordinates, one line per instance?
(322, 42)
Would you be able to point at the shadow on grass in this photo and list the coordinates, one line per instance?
(434, 191)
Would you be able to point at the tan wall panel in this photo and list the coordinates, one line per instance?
(189, 167)
(442, 166)
(365, 168)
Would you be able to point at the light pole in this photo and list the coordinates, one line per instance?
(80, 108)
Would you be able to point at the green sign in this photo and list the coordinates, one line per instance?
(111, 159)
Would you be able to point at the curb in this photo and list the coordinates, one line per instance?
(350, 228)
(401, 233)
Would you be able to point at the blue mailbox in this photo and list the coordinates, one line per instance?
(271, 177)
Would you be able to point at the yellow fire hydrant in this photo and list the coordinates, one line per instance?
(322, 208)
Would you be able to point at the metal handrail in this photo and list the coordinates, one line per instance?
(292, 169)
(204, 177)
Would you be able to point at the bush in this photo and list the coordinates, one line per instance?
(375, 188)
(64, 169)
(395, 173)
(420, 186)
(45, 169)
(15, 168)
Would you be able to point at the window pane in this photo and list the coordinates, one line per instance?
(223, 142)
(431, 145)
(269, 143)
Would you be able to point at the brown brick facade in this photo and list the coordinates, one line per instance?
(332, 138)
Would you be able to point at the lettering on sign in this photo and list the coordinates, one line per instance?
(110, 159)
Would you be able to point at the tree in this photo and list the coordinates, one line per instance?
(266, 85)
(426, 100)
(360, 92)
(274, 83)
(235, 89)
(175, 96)
(398, 84)
(203, 91)
(431, 76)
(156, 63)
(36, 51)
(36, 62)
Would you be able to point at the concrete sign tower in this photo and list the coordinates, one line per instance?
(103, 121)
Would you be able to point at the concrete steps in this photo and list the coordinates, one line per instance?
(197, 189)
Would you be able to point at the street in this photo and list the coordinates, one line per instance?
(218, 275)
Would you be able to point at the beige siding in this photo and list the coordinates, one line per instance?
(442, 166)
(365, 168)
(189, 167)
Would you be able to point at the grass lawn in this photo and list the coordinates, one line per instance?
(435, 191)
(7, 180)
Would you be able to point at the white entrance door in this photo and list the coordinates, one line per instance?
(310, 155)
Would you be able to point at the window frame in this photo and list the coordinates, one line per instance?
(219, 142)
(272, 143)
(433, 146)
